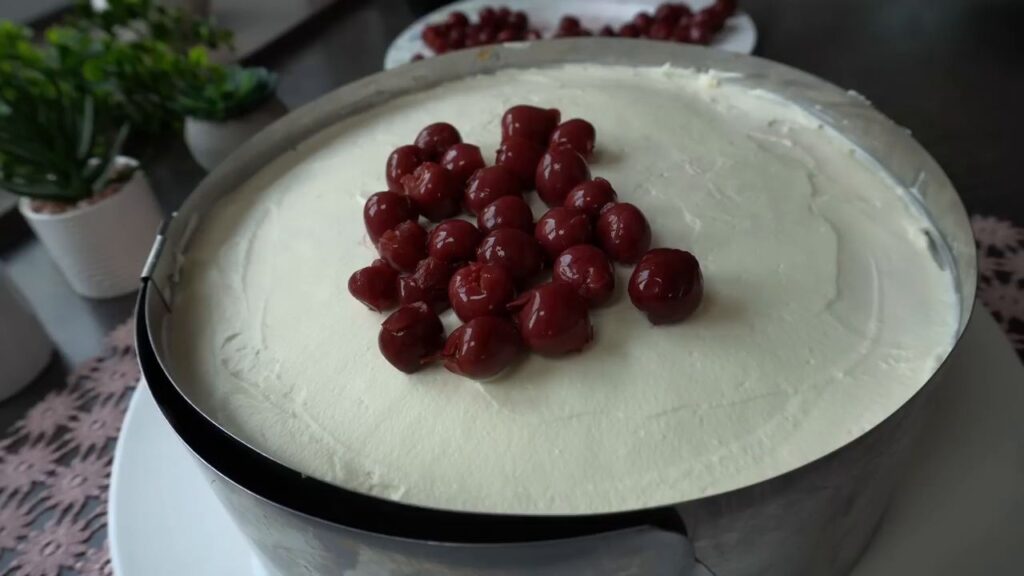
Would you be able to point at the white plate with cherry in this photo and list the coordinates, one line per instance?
(470, 23)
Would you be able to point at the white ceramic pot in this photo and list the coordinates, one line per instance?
(210, 142)
(101, 248)
(25, 349)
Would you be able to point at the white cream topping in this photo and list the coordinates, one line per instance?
(824, 310)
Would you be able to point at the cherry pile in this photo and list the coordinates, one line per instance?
(671, 21)
(489, 274)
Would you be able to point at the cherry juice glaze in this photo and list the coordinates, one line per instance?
(823, 310)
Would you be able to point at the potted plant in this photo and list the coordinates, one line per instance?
(224, 107)
(60, 142)
(25, 349)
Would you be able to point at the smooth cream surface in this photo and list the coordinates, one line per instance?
(824, 309)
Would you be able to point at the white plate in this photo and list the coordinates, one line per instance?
(739, 34)
(960, 510)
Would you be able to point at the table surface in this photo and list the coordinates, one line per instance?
(952, 71)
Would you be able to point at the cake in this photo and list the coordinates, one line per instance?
(826, 308)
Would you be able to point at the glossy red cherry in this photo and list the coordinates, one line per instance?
(434, 191)
(553, 319)
(560, 170)
(417, 57)
(660, 30)
(457, 19)
(487, 185)
(487, 16)
(501, 15)
(643, 22)
(454, 241)
(577, 134)
(436, 139)
(434, 37)
(726, 7)
(404, 246)
(506, 212)
(629, 31)
(682, 31)
(591, 196)
(508, 35)
(623, 232)
(701, 35)
(481, 290)
(710, 19)
(385, 210)
(515, 250)
(520, 156)
(588, 270)
(411, 337)
(667, 285)
(482, 348)
(606, 30)
(530, 123)
(428, 283)
(402, 162)
(376, 286)
(561, 228)
(456, 39)
(462, 160)
(568, 25)
(671, 12)
(518, 21)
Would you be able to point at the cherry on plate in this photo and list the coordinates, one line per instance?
(402, 162)
(436, 139)
(591, 196)
(518, 21)
(700, 35)
(376, 286)
(643, 22)
(568, 25)
(481, 290)
(428, 283)
(454, 241)
(516, 250)
(623, 232)
(629, 31)
(560, 170)
(606, 30)
(709, 19)
(487, 16)
(520, 156)
(435, 38)
(577, 134)
(530, 123)
(660, 30)
(462, 160)
(411, 337)
(667, 285)
(403, 246)
(487, 185)
(508, 35)
(385, 210)
(506, 212)
(482, 348)
(588, 270)
(561, 228)
(457, 19)
(553, 319)
(434, 191)
(671, 12)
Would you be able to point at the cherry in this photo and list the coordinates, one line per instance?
(629, 31)
(660, 30)
(487, 185)
(481, 290)
(462, 160)
(428, 283)
(518, 21)
(507, 35)
(577, 134)
(623, 232)
(402, 162)
(403, 246)
(417, 57)
(643, 22)
(588, 271)
(411, 337)
(710, 19)
(457, 19)
(502, 14)
(561, 228)
(521, 157)
(533, 35)
(606, 31)
(591, 196)
(376, 286)
(667, 285)
(553, 319)
(559, 171)
(487, 16)
(385, 210)
(700, 35)
(456, 39)
(482, 348)
(682, 31)
(434, 37)
(506, 212)
(726, 7)
(515, 250)
(453, 241)
(434, 191)
(671, 12)
(530, 122)
(436, 139)
(472, 34)
(568, 25)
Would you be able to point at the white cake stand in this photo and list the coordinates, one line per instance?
(959, 511)
(739, 34)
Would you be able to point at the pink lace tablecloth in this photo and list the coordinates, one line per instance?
(55, 462)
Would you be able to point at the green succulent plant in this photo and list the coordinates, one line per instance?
(58, 139)
(219, 92)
